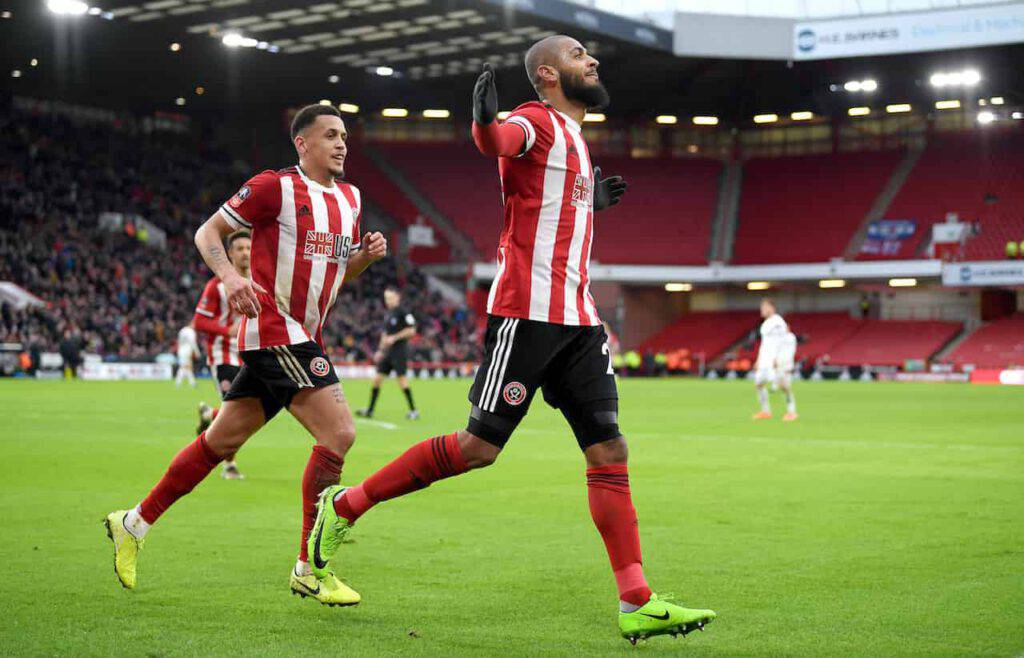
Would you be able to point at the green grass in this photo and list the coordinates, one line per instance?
(888, 521)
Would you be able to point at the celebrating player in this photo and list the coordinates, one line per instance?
(773, 341)
(188, 350)
(543, 331)
(393, 354)
(216, 319)
(305, 242)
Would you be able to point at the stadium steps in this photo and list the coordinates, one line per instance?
(950, 347)
(461, 245)
(723, 229)
(883, 200)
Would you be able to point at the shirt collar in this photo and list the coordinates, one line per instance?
(568, 119)
(312, 183)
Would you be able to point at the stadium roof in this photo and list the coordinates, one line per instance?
(123, 54)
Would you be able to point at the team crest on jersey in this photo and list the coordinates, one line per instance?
(319, 366)
(240, 196)
(514, 393)
(583, 192)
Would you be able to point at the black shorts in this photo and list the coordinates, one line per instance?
(223, 375)
(395, 360)
(571, 365)
(276, 374)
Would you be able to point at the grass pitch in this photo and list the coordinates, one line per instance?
(888, 521)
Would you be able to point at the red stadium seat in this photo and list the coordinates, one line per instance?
(893, 342)
(999, 344)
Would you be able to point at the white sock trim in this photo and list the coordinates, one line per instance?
(135, 524)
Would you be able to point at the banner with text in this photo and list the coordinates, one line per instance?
(906, 33)
(885, 236)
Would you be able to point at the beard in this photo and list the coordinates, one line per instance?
(591, 94)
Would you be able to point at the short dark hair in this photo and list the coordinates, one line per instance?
(307, 115)
(238, 235)
(393, 288)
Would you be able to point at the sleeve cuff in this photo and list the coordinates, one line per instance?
(531, 134)
(234, 220)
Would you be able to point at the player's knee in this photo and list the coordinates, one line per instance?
(338, 439)
(477, 452)
(612, 451)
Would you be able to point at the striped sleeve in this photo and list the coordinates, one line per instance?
(257, 202)
(531, 134)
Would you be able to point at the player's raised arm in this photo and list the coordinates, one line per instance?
(241, 292)
(492, 138)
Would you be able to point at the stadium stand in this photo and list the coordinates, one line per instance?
(999, 344)
(818, 334)
(463, 185)
(656, 227)
(805, 209)
(705, 332)
(126, 299)
(893, 342)
(378, 189)
(976, 175)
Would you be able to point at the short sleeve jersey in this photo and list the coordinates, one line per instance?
(302, 236)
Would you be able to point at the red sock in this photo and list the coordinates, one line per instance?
(187, 469)
(425, 462)
(612, 510)
(322, 470)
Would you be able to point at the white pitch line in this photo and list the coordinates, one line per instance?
(378, 423)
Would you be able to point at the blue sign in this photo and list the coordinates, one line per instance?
(886, 236)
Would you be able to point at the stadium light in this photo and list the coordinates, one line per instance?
(16, 73)
(897, 108)
(384, 71)
(33, 62)
(175, 47)
(504, 115)
(236, 40)
(758, 285)
(678, 287)
(996, 100)
(982, 102)
(6, 14)
(348, 108)
(325, 102)
(832, 283)
(947, 105)
(859, 111)
(395, 112)
(1017, 116)
(200, 90)
(902, 283)
(593, 117)
(95, 11)
(801, 116)
(868, 85)
(705, 121)
(965, 78)
(986, 117)
(766, 118)
(333, 79)
(436, 114)
(179, 101)
(852, 85)
(667, 119)
(67, 7)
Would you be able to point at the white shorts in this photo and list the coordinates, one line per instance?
(184, 358)
(764, 374)
(785, 362)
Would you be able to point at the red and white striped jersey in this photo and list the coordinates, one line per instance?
(221, 349)
(544, 249)
(302, 236)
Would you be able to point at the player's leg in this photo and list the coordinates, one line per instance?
(582, 385)
(240, 418)
(510, 358)
(382, 370)
(224, 375)
(403, 383)
(762, 379)
(785, 379)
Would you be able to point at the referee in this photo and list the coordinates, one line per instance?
(393, 353)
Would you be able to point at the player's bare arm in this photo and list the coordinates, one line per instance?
(241, 292)
(374, 247)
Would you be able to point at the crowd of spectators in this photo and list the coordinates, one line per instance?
(125, 299)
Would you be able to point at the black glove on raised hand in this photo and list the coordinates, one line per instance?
(485, 97)
(608, 191)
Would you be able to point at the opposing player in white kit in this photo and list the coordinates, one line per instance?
(188, 350)
(773, 339)
(785, 364)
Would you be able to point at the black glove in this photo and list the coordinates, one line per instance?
(608, 191)
(485, 97)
